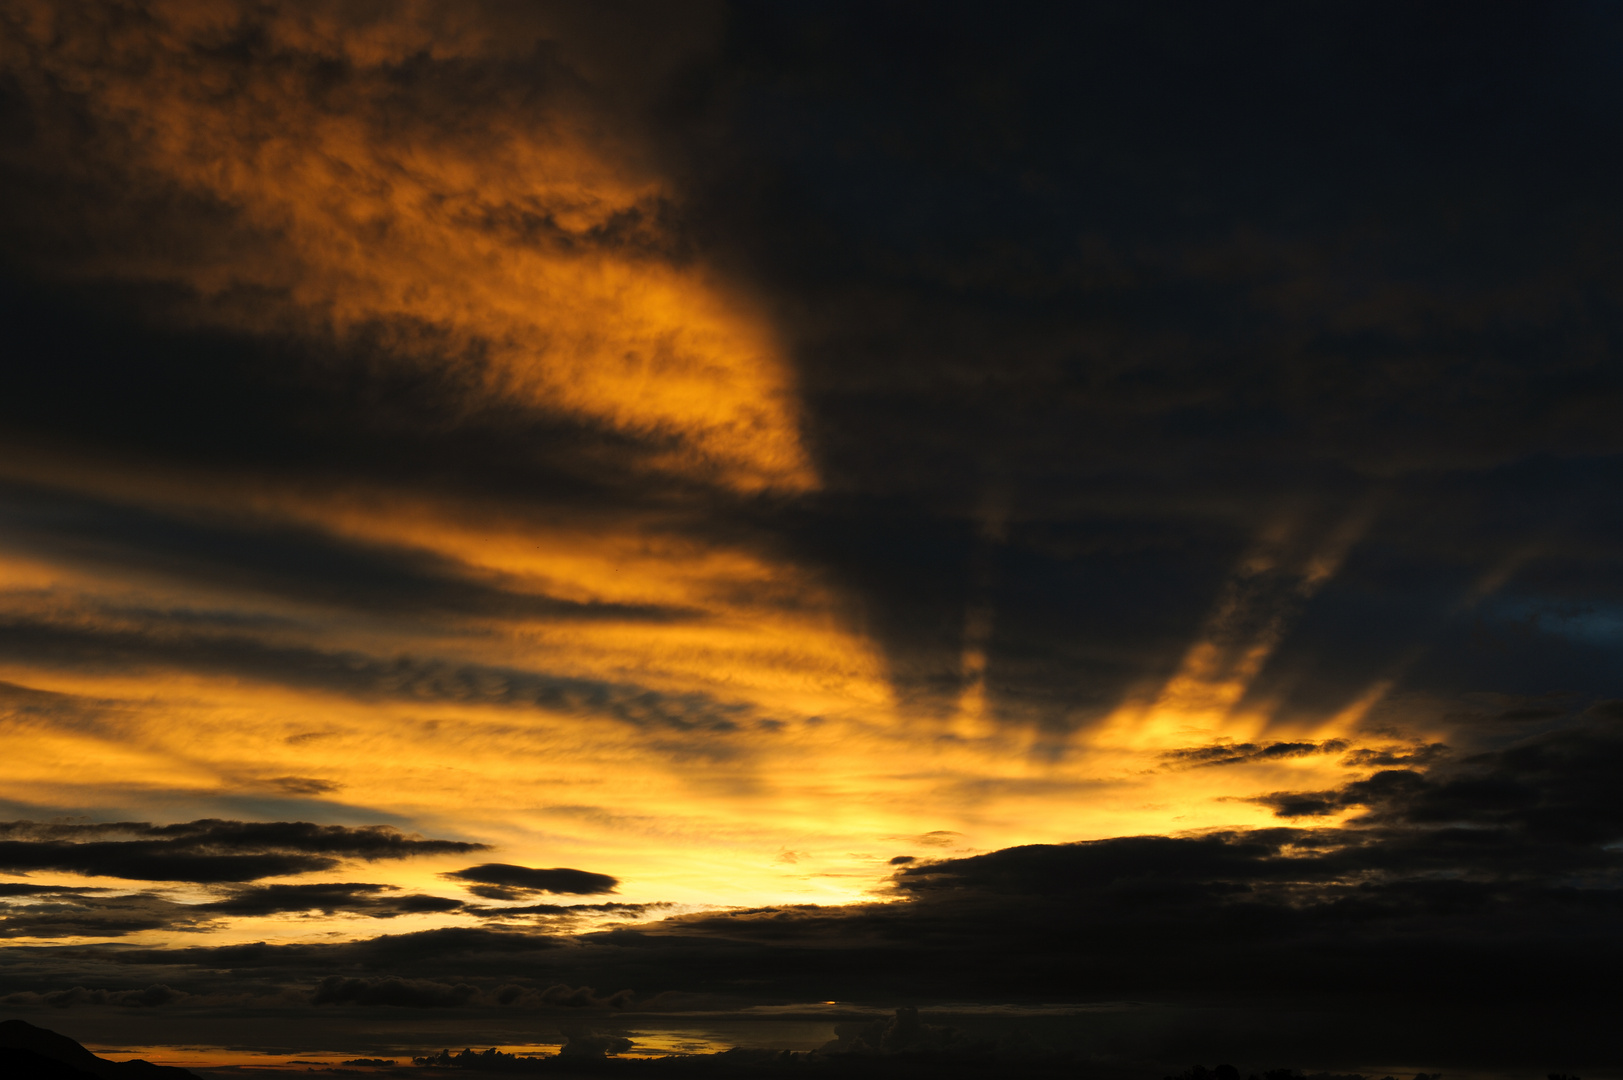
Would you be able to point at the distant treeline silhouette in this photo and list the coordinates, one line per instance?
(1229, 1072)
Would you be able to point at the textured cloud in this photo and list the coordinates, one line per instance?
(373, 901)
(1238, 753)
(66, 913)
(418, 177)
(392, 990)
(147, 997)
(205, 851)
(504, 881)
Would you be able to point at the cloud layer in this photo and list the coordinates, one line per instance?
(204, 851)
(972, 506)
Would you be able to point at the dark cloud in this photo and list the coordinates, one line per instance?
(208, 850)
(374, 901)
(585, 1045)
(147, 997)
(504, 881)
(1418, 755)
(303, 785)
(1553, 790)
(60, 913)
(556, 909)
(583, 997)
(15, 888)
(1230, 753)
(391, 990)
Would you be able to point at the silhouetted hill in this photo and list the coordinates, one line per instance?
(35, 1053)
(32, 1065)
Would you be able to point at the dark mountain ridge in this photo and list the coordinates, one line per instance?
(35, 1053)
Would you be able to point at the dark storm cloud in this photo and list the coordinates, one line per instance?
(208, 850)
(367, 677)
(514, 882)
(373, 901)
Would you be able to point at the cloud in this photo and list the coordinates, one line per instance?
(569, 293)
(61, 913)
(1417, 755)
(391, 990)
(1228, 753)
(934, 838)
(270, 556)
(1552, 789)
(303, 785)
(1059, 385)
(373, 901)
(504, 881)
(408, 951)
(582, 1045)
(147, 997)
(565, 910)
(358, 675)
(205, 851)
(584, 997)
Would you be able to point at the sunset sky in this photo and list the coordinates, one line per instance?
(704, 520)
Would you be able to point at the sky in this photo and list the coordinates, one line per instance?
(711, 521)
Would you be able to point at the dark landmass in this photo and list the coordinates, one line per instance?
(32, 1065)
(35, 1053)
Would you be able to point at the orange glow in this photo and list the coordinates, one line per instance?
(817, 779)
(523, 255)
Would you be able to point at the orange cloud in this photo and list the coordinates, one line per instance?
(367, 176)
